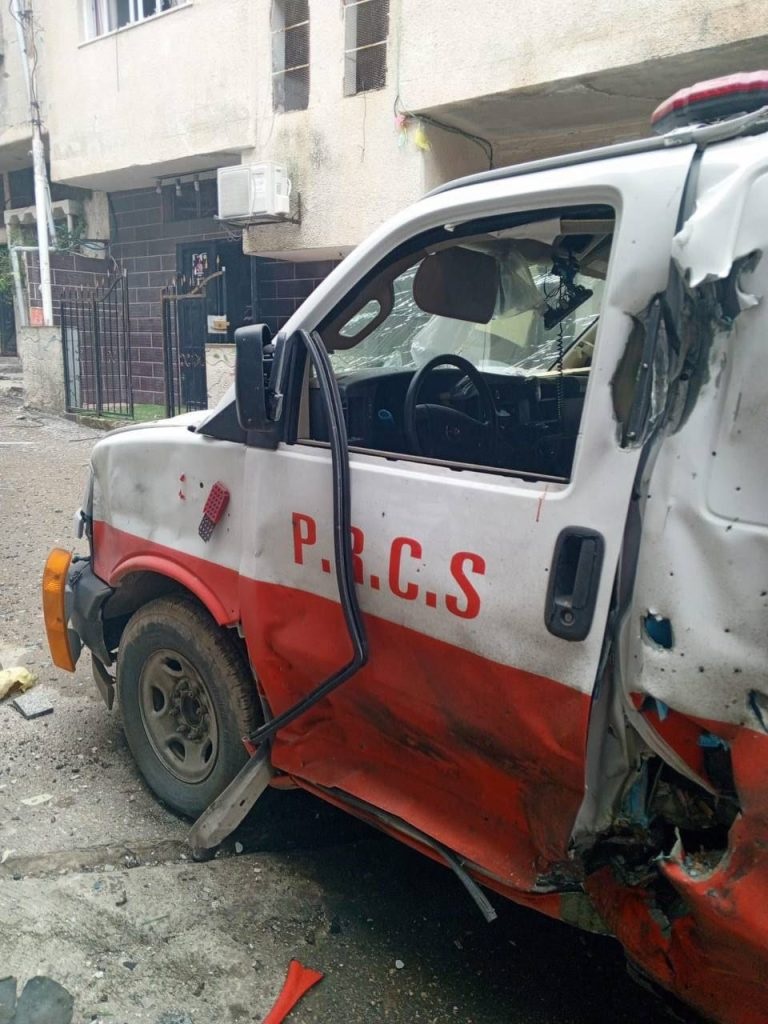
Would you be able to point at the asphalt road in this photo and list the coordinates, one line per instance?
(98, 892)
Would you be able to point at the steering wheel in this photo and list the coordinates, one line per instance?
(445, 433)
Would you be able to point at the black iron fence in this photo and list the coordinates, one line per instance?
(7, 327)
(95, 329)
(187, 305)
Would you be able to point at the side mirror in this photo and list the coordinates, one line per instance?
(250, 385)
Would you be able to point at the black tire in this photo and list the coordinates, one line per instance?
(187, 698)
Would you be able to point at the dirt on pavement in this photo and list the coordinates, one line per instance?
(98, 892)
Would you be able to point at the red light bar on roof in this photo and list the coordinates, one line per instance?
(714, 100)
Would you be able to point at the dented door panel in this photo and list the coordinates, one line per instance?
(470, 721)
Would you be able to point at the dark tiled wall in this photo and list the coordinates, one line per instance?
(67, 271)
(146, 248)
(280, 288)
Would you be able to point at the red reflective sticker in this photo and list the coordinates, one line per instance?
(215, 507)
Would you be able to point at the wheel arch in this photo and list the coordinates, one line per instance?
(157, 576)
(138, 584)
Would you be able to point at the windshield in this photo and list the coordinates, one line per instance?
(520, 337)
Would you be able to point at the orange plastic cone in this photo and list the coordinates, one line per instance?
(298, 982)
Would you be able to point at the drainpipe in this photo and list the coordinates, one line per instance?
(22, 15)
(21, 306)
(14, 250)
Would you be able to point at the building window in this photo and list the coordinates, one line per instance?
(290, 55)
(103, 16)
(21, 185)
(366, 26)
(190, 200)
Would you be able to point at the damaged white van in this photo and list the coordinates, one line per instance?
(477, 549)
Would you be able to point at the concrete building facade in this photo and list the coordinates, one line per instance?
(368, 103)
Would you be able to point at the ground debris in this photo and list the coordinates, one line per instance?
(33, 705)
(15, 679)
(39, 798)
(43, 1001)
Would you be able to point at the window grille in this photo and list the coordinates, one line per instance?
(366, 27)
(290, 55)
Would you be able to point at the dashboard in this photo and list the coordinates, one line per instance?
(538, 416)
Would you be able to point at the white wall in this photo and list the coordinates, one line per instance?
(533, 80)
(192, 89)
(449, 54)
(342, 152)
(542, 79)
(173, 93)
(15, 129)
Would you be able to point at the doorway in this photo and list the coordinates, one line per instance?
(228, 303)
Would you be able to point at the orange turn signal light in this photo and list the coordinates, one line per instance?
(54, 608)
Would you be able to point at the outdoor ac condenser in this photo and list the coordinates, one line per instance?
(253, 191)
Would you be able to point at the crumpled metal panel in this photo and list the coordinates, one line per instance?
(693, 653)
(703, 560)
(705, 935)
(727, 223)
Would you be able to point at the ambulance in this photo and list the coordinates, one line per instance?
(476, 549)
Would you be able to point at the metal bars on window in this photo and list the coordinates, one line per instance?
(290, 55)
(366, 27)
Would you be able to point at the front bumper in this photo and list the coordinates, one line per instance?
(72, 603)
(88, 595)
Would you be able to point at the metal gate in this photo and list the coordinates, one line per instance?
(95, 332)
(187, 305)
(7, 327)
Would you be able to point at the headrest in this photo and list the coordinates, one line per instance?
(458, 283)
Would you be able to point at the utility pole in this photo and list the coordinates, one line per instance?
(25, 32)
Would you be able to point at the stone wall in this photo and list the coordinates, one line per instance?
(42, 364)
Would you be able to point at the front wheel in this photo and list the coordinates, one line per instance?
(187, 698)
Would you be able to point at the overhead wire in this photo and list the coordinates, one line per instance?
(484, 144)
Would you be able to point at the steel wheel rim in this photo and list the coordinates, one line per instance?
(178, 716)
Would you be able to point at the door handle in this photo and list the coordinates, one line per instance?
(573, 582)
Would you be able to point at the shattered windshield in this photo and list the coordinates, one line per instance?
(520, 337)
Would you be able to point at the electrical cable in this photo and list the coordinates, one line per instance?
(342, 544)
(484, 144)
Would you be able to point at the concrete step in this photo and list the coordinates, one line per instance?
(10, 367)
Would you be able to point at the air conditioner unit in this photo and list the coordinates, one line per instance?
(253, 191)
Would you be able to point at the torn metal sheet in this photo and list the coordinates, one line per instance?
(728, 222)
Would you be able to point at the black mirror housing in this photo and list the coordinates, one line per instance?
(250, 383)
